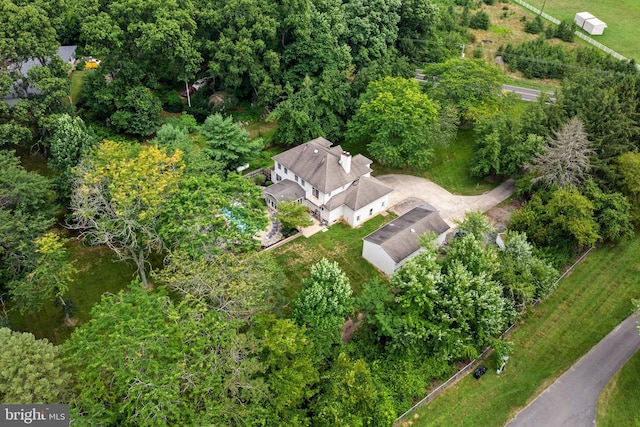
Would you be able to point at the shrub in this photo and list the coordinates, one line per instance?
(480, 21)
(259, 179)
(489, 2)
(534, 27)
(171, 102)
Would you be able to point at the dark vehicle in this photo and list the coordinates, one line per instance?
(479, 372)
(192, 90)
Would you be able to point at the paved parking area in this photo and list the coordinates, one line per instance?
(410, 191)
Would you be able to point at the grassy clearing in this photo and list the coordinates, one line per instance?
(619, 404)
(449, 168)
(76, 85)
(99, 273)
(586, 306)
(340, 243)
(621, 17)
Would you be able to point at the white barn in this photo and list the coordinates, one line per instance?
(394, 244)
(333, 184)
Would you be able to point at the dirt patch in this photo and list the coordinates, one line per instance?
(499, 215)
(349, 328)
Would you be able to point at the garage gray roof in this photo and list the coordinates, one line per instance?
(400, 238)
(319, 164)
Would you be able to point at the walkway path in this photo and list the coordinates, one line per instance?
(571, 401)
(410, 191)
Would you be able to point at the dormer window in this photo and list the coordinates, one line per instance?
(279, 166)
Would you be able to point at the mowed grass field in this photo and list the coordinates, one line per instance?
(586, 306)
(619, 404)
(621, 16)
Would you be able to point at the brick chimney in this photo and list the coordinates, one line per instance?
(345, 161)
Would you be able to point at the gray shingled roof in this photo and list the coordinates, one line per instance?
(285, 191)
(318, 164)
(399, 238)
(360, 194)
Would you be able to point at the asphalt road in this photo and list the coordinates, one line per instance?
(572, 400)
(526, 94)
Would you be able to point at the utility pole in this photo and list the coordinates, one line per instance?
(186, 88)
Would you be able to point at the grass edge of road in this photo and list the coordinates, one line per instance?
(584, 308)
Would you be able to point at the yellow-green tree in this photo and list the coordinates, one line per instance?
(118, 195)
(49, 280)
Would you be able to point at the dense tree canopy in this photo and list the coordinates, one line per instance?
(397, 121)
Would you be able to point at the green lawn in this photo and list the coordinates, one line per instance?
(586, 306)
(339, 243)
(76, 85)
(99, 273)
(619, 404)
(621, 16)
(449, 168)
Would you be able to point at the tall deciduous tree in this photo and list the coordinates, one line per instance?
(208, 214)
(49, 280)
(397, 121)
(144, 360)
(119, 195)
(31, 370)
(293, 214)
(323, 303)
(228, 143)
(564, 161)
(26, 211)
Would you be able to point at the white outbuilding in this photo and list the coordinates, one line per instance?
(589, 23)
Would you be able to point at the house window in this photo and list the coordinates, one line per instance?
(296, 177)
(316, 193)
(329, 194)
(358, 218)
(278, 177)
(302, 182)
(279, 166)
(383, 204)
(370, 211)
(286, 171)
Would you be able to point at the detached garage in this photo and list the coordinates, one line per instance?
(392, 245)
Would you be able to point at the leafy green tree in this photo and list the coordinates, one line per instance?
(228, 143)
(208, 214)
(137, 113)
(523, 275)
(563, 218)
(26, 211)
(564, 161)
(174, 135)
(144, 359)
(118, 197)
(397, 121)
(418, 21)
(475, 223)
(238, 286)
(49, 280)
(612, 212)
(350, 397)
(289, 369)
(629, 165)
(323, 304)
(373, 28)
(31, 370)
(472, 85)
(293, 214)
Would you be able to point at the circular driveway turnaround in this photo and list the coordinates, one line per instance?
(571, 401)
(451, 207)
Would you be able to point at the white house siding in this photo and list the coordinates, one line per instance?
(361, 215)
(378, 257)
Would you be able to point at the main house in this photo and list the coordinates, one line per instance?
(333, 184)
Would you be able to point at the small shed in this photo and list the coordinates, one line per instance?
(581, 17)
(392, 245)
(594, 26)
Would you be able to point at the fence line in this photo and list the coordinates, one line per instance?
(577, 33)
(462, 372)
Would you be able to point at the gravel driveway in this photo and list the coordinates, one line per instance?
(410, 191)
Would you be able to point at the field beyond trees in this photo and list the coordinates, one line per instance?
(621, 17)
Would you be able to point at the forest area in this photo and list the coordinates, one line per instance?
(112, 160)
